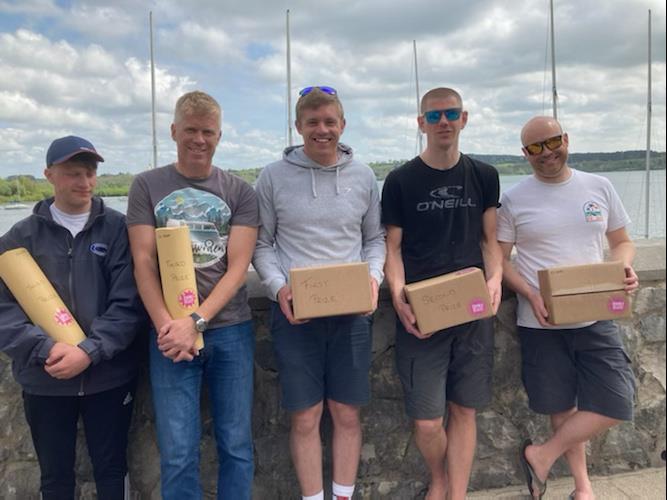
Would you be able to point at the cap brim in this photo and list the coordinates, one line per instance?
(80, 151)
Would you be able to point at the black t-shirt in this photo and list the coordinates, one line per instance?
(440, 213)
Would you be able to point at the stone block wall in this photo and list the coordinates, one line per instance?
(391, 466)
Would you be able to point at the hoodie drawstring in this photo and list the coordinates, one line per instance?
(337, 185)
(313, 186)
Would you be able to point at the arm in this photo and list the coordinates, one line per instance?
(621, 248)
(116, 327)
(516, 282)
(176, 339)
(492, 256)
(373, 249)
(395, 274)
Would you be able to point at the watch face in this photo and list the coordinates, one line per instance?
(201, 324)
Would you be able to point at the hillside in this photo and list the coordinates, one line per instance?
(29, 188)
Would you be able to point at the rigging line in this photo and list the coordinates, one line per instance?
(544, 72)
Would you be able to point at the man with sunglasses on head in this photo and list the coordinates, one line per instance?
(440, 213)
(578, 374)
(318, 205)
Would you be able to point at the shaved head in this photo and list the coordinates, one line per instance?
(540, 128)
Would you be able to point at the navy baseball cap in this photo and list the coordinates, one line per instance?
(65, 148)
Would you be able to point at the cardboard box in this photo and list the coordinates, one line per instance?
(331, 290)
(591, 292)
(449, 300)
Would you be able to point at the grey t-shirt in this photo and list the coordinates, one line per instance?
(209, 207)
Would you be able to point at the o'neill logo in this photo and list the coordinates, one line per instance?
(62, 317)
(446, 197)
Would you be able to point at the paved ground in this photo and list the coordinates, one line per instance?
(647, 484)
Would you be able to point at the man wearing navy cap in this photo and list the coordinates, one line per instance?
(82, 248)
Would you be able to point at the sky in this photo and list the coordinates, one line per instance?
(83, 68)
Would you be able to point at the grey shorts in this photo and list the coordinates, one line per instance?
(583, 367)
(455, 364)
(325, 358)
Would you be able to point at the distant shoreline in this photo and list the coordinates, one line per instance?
(27, 188)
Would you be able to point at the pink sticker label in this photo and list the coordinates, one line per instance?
(187, 298)
(617, 304)
(62, 317)
(477, 307)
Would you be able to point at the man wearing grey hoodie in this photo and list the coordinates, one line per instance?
(320, 206)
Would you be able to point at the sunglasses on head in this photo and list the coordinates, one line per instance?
(551, 143)
(326, 90)
(434, 116)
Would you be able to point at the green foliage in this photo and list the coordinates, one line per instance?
(26, 188)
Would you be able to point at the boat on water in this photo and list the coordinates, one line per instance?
(15, 206)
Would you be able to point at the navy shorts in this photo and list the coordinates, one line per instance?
(583, 367)
(455, 364)
(325, 358)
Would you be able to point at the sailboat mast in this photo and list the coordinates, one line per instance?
(647, 183)
(289, 83)
(150, 22)
(554, 93)
(419, 134)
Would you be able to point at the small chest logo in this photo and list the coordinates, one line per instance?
(62, 317)
(100, 249)
(592, 212)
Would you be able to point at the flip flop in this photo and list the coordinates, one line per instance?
(535, 485)
(572, 495)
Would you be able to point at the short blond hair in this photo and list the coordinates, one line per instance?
(316, 98)
(439, 93)
(197, 103)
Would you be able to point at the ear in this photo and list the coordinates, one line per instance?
(566, 139)
(525, 152)
(420, 123)
(297, 126)
(342, 125)
(173, 131)
(48, 173)
(464, 119)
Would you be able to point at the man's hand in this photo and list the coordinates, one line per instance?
(631, 280)
(66, 361)
(176, 339)
(375, 292)
(407, 317)
(539, 309)
(494, 285)
(285, 303)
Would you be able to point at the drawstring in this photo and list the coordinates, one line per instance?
(313, 186)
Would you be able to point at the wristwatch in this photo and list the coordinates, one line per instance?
(200, 323)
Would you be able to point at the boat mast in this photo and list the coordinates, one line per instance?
(648, 134)
(289, 83)
(554, 93)
(419, 133)
(150, 22)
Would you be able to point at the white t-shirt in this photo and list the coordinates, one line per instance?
(557, 225)
(74, 222)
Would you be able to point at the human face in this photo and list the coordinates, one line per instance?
(548, 165)
(196, 138)
(321, 129)
(445, 133)
(73, 185)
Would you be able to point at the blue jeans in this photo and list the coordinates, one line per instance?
(226, 363)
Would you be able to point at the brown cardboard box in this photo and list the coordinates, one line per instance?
(449, 300)
(591, 292)
(331, 290)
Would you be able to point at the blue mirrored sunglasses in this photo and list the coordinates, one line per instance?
(326, 90)
(434, 116)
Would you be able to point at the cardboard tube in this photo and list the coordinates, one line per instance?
(37, 297)
(177, 273)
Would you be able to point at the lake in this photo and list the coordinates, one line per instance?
(629, 185)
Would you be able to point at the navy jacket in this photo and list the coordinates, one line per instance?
(93, 275)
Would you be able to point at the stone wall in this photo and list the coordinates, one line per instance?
(390, 465)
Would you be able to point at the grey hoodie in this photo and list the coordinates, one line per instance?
(315, 215)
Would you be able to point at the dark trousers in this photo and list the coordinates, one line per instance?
(106, 420)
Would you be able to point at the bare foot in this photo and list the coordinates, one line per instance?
(583, 495)
(533, 459)
(436, 492)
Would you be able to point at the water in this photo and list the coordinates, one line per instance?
(629, 185)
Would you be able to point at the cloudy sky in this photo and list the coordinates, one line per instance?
(82, 67)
